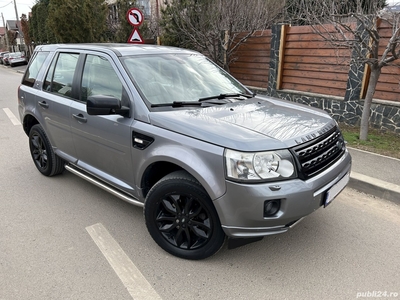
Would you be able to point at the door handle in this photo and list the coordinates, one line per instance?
(80, 118)
(43, 104)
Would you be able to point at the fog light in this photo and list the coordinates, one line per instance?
(271, 207)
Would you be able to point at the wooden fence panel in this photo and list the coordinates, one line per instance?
(250, 64)
(308, 63)
(388, 87)
(311, 64)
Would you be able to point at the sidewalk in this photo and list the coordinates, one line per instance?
(375, 174)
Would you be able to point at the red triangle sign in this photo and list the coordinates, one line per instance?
(135, 37)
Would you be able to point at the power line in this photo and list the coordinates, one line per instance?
(6, 5)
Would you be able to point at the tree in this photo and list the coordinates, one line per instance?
(39, 32)
(25, 29)
(12, 37)
(295, 13)
(77, 21)
(212, 26)
(364, 38)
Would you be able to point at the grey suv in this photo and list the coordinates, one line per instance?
(168, 130)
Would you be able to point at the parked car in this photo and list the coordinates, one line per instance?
(5, 59)
(168, 130)
(17, 58)
(1, 56)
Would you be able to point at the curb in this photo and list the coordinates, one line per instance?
(375, 187)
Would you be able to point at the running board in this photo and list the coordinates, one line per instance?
(104, 186)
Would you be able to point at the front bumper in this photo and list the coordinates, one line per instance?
(241, 208)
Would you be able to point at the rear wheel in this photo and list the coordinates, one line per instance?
(46, 161)
(181, 217)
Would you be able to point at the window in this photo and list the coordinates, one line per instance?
(99, 78)
(144, 6)
(34, 68)
(59, 78)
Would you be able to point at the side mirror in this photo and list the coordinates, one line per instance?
(105, 105)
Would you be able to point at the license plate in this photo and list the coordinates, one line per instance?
(336, 189)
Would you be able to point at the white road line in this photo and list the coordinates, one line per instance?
(11, 116)
(136, 284)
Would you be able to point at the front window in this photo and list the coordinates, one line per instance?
(99, 78)
(168, 78)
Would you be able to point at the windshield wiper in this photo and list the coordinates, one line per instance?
(177, 104)
(227, 95)
(218, 99)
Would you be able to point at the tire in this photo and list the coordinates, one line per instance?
(46, 161)
(181, 218)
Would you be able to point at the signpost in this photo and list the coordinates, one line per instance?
(135, 18)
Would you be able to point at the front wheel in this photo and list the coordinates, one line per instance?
(181, 217)
(46, 161)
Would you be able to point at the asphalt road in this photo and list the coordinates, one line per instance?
(63, 238)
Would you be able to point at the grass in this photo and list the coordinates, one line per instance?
(384, 143)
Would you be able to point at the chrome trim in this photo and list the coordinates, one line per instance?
(254, 228)
(105, 187)
(295, 223)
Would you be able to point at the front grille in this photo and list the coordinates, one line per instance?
(317, 155)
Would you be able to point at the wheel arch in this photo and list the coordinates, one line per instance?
(212, 182)
(154, 172)
(28, 122)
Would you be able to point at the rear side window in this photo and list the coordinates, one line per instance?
(61, 74)
(34, 68)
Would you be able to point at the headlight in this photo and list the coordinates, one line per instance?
(259, 166)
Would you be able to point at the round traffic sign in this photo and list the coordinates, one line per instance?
(134, 16)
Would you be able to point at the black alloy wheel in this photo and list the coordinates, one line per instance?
(181, 218)
(46, 161)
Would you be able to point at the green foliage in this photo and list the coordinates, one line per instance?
(38, 30)
(68, 21)
(77, 21)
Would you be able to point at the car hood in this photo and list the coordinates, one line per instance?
(255, 124)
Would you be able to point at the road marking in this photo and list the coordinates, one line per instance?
(11, 116)
(136, 284)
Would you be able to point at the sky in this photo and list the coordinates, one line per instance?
(8, 9)
(24, 7)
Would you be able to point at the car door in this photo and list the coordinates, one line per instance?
(103, 143)
(54, 101)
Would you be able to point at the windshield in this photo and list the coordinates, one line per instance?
(169, 78)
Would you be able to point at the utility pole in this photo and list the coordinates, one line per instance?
(6, 33)
(19, 31)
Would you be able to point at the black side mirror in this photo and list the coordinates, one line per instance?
(105, 105)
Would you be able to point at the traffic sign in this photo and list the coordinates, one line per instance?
(135, 37)
(134, 16)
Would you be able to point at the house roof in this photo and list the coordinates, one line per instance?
(13, 25)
